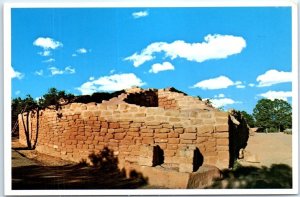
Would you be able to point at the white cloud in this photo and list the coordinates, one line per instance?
(140, 14)
(70, 70)
(15, 74)
(240, 86)
(81, 51)
(45, 53)
(91, 78)
(272, 77)
(214, 83)
(55, 71)
(17, 92)
(49, 60)
(251, 84)
(214, 47)
(111, 83)
(221, 102)
(39, 72)
(276, 95)
(67, 70)
(139, 59)
(220, 82)
(47, 43)
(161, 67)
(112, 71)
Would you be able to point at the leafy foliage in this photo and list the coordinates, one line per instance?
(53, 96)
(274, 115)
(18, 106)
(28, 104)
(249, 118)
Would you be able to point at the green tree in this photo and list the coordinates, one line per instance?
(274, 115)
(249, 118)
(16, 109)
(27, 105)
(18, 106)
(52, 97)
(283, 114)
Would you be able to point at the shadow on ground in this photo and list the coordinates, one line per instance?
(104, 174)
(277, 176)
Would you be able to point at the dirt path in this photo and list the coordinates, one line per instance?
(269, 148)
(19, 160)
(33, 170)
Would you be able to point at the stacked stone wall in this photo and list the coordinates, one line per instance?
(77, 130)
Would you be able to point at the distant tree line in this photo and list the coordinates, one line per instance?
(270, 115)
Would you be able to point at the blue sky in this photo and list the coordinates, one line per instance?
(233, 56)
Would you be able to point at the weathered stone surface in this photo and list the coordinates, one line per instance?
(173, 140)
(205, 129)
(222, 128)
(172, 121)
(188, 136)
(203, 177)
(223, 142)
(184, 167)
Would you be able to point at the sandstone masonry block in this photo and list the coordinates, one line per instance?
(205, 129)
(160, 140)
(147, 134)
(114, 125)
(119, 136)
(222, 128)
(172, 134)
(190, 130)
(163, 130)
(188, 136)
(179, 130)
(183, 141)
(223, 142)
(222, 135)
(173, 140)
(161, 135)
(147, 140)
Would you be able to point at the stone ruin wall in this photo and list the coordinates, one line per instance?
(178, 123)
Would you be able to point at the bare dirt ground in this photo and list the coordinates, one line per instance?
(265, 149)
(267, 164)
(33, 170)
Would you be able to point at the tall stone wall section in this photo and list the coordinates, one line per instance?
(175, 100)
(77, 130)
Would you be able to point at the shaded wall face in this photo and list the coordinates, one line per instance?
(82, 129)
(238, 137)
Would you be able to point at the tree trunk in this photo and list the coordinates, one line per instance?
(26, 130)
(37, 128)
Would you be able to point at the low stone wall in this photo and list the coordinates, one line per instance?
(77, 130)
